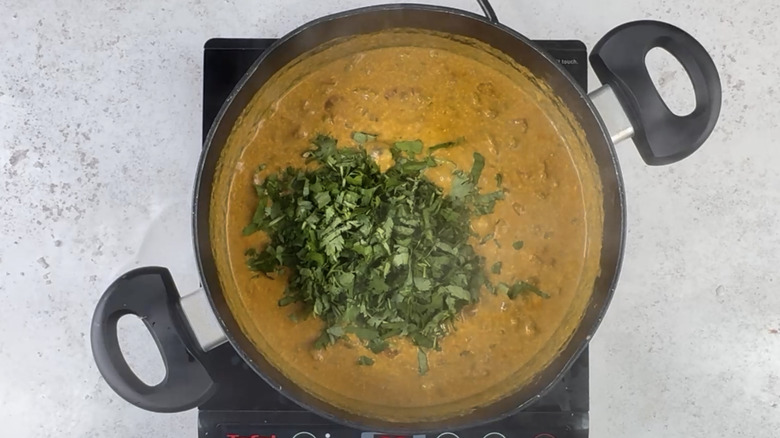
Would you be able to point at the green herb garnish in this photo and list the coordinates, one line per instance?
(523, 287)
(476, 169)
(373, 254)
(486, 238)
(365, 360)
(496, 268)
(464, 189)
(445, 145)
(363, 137)
(422, 362)
(377, 345)
(518, 245)
(411, 147)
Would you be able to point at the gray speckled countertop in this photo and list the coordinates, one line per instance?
(100, 106)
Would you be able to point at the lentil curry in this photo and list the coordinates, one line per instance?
(408, 84)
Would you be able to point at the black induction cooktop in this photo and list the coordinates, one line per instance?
(244, 406)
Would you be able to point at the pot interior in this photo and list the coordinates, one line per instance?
(405, 84)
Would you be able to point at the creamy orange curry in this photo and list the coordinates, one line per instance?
(412, 85)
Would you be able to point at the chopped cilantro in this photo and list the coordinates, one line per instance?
(476, 169)
(523, 287)
(487, 238)
(365, 360)
(363, 137)
(422, 362)
(373, 254)
(412, 147)
(445, 145)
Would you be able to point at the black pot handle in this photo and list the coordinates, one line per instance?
(150, 294)
(619, 61)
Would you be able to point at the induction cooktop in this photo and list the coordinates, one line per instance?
(244, 406)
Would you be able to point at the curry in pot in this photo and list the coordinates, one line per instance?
(405, 87)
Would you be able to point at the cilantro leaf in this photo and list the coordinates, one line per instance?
(486, 238)
(446, 145)
(364, 333)
(410, 147)
(523, 287)
(476, 168)
(377, 345)
(422, 362)
(485, 203)
(365, 360)
(363, 137)
(461, 186)
(458, 292)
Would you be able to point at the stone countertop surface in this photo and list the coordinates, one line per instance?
(100, 122)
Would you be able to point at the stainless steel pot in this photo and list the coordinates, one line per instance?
(626, 106)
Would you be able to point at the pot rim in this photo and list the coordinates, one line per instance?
(204, 255)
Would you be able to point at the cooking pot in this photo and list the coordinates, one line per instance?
(626, 106)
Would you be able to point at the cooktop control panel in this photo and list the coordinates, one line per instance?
(301, 424)
(317, 433)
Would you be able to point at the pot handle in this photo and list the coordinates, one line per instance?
(150, 294)
(619, 62)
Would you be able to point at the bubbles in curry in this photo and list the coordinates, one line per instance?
(545, 230)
